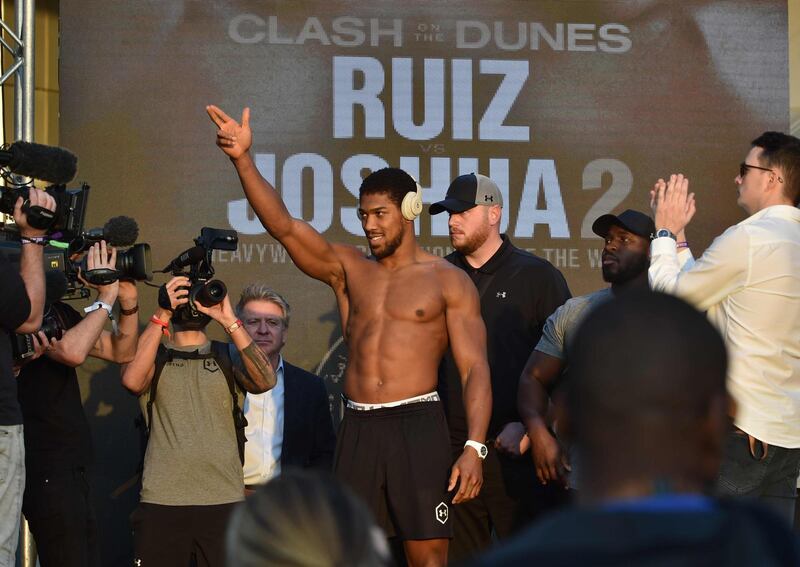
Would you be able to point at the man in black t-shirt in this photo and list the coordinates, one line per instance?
(518, 291)
(58, 448)
(21, 304)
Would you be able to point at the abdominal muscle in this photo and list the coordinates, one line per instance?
(393, 360)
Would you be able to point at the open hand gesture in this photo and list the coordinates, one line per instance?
(673, 206)
(233, 138)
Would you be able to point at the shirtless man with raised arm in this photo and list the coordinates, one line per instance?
(399, 309)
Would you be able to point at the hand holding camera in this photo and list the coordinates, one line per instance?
(99, 261)
(174, 293)
(221, 312)
(42, 343)
(37, 205)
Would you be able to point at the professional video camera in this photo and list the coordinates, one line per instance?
(54, 165)
(133, 262)
(195, 264)
(47, 163)
(65, 233)
(22, 346)
(120, 232)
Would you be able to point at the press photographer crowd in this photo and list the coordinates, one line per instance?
(488, 417)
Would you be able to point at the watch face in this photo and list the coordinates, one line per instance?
(484, 451)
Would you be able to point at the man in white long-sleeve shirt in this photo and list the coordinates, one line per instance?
(748, 281)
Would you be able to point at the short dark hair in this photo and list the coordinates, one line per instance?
(643, 366)
(782, 150)
(390, 180)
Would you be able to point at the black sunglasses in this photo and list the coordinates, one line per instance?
(743, 167)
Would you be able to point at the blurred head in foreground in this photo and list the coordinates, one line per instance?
(304, 518)
(646, 399)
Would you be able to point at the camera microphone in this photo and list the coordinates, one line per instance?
(48, 163)
(187, 258)
(118, 231)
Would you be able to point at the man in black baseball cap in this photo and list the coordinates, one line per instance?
(626, 254)
(518, 292)
(625, 259)
(467, 191)
(630, 220)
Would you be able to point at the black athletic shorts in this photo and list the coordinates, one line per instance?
(398, 460)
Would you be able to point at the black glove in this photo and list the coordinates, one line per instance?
(163, 298)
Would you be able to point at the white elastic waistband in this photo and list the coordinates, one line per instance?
(432, 397)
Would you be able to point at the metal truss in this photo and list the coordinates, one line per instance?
(19, 42)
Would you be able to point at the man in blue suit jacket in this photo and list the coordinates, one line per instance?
(290, 425)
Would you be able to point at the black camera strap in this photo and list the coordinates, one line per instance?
(220, 353)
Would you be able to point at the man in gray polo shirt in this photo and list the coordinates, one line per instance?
(625, 260)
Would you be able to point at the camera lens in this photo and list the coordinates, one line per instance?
(209, 293)
(135, 263)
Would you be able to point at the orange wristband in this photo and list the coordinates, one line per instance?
(163, 324)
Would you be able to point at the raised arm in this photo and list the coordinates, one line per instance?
(722, 269)
(88, 337)
(256, 374)
(31, 257)
(467, 334)
(137, 375)
(120, 347)
(307, 248)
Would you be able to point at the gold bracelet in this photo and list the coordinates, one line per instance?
(235, 325)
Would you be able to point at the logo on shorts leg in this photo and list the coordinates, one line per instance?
(442, 513)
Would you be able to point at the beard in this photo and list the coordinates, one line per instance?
(470, 244)
(389, 248)
(622, 273)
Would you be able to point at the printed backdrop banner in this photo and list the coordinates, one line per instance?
(573, 108)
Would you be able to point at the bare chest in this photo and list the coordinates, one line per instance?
(411, 294)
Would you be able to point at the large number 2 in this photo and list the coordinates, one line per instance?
(621, 184)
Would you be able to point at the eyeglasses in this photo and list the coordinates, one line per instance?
(743, 167)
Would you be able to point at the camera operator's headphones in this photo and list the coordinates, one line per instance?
(411, 207)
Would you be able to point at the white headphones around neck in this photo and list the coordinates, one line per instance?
(411, 207)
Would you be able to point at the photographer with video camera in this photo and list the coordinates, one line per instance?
(58, 444)
(21, 307)
(192, 475)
